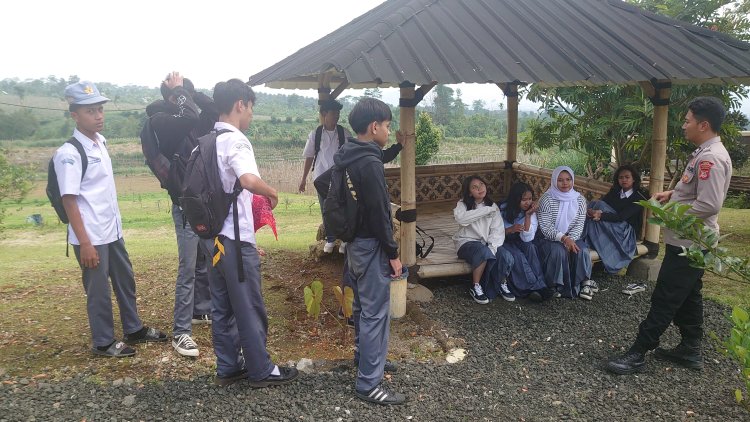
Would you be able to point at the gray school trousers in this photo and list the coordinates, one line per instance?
(370, 276)
(114, 263)
(240, 324)
(191, 295)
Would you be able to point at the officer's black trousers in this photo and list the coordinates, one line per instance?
(677, 297)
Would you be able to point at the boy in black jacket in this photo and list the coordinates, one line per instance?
(178, 123)
(373, 254)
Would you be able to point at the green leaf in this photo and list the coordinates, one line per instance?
(738, 395)
(739, 315)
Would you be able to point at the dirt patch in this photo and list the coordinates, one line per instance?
(50, 337)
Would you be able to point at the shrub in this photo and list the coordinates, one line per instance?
(428, 139)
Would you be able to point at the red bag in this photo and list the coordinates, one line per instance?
(263, 214)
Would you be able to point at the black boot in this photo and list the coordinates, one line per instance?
(634, 360)
(687, 354)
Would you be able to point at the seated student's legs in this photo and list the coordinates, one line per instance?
(580, 267)
(555, 264)
(370, 269)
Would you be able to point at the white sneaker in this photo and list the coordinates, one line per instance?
(342, 248)
(634, 288)
(328, 248)
(185, 345)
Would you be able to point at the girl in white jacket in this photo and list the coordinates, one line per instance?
(479, 242)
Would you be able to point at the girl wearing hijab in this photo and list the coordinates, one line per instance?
(615, 221)
(565, 255)
(479, 241)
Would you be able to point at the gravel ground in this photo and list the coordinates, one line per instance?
(525, 362)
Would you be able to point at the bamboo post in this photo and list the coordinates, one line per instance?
(324, 90)
(511, 153)
(407, 126)
(659, 94)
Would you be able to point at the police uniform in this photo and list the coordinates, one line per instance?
(96, 197)
(240, 322)
(677, 296)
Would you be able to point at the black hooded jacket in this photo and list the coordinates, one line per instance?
(364, 162)
(178, 126)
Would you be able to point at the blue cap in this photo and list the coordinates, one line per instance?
(83, 93)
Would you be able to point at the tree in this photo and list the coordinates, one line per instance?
(15, 182)
(597, 121)
(428, 139)
(374, 93)
(478, 106)
(443, 104)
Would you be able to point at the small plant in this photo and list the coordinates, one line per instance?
(345, 298)
(738, 346)
(313, 298)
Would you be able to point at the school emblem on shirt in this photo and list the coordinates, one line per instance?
(705, 169)
(88, 90)
(69, 161)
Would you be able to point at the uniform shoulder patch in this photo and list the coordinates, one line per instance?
(704, 169)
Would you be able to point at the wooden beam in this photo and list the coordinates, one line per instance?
(660, 99)
(407, 127)
(339, 89)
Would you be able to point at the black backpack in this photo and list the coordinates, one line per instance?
(203, 200)
(319, 134)
(170, 171)
(53, 187)
(340, 206)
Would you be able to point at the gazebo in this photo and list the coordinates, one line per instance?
(416, 44)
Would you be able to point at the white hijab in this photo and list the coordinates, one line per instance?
(568, 200)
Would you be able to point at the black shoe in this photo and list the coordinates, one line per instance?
(286, 375)
(535, 297)
(231, 378)
(389, 366)
(688, 357)
(629, 363)
(381, 395)
(117, 349)
(145, 335)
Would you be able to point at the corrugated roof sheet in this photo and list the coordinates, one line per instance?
(549, 42)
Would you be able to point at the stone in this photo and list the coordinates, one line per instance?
(305, 365)
(644, 269)
(128, 381)
(128, 400)
(118, 382)
(419, 293)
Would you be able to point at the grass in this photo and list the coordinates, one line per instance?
(732, 293)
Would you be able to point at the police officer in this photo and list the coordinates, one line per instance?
(677, 296)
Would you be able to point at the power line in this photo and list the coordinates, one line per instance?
(60, 109)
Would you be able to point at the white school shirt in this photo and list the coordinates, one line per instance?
(235, 158)
(329, 144)
(96, 194)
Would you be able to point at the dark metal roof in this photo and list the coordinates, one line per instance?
(549, 42)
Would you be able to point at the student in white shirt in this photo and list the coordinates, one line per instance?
(240, 323)
(95, 228)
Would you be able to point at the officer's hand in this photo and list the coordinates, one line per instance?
(662, 197)
(89, 256)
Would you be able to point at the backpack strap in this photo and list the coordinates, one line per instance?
(84, 166)
(238, 245)
(318, 135)
(342, 137)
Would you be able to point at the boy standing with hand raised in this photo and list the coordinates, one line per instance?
(373, 254)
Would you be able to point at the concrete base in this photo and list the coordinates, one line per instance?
(419, 293)
(644, 269)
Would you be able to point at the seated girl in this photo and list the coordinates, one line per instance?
(565, 256)
(519, 213)
(479, 242)
(615, 221)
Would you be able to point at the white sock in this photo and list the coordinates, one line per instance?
(275, 371)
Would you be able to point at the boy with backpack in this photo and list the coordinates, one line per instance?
(89, 199)
(170, 134)
(322, 143)
(372, 255)
(240, 323)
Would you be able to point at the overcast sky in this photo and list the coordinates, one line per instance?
(139, 42)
